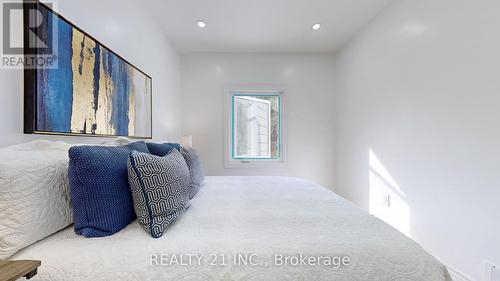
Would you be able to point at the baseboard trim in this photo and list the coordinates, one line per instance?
(457, 275)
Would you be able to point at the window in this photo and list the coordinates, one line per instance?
(255, 127)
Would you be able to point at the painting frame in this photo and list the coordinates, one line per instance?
(31, 86)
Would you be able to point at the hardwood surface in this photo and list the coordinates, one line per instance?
(13, 270)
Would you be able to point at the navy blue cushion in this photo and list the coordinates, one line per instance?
(162, 149)
(195, 170)
(100, 192)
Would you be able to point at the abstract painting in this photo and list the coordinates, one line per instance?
(92, 91)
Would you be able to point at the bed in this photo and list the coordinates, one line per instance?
(243, 228)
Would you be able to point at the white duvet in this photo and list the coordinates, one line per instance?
(34, 193)
(255, 219)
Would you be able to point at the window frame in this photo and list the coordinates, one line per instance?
(234, 119)
(229, 160)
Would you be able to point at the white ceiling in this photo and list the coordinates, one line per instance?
(262, 25)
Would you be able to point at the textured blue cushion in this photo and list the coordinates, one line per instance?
(162, 149)
(100, 192)
(195, 170)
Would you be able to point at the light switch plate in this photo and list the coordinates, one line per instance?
(387, 200)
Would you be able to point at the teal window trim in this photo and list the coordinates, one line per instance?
(233, 124)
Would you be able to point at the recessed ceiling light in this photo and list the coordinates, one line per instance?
(201, 24)
(316, 26)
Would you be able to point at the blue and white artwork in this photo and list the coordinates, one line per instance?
(92, 91)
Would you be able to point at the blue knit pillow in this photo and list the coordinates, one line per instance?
(100, 192)
(162, 149)
(195, 170)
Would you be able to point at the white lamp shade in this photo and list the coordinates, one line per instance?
(187, 141)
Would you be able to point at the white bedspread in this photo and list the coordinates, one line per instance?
(256, 216)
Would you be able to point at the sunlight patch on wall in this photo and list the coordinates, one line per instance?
(387, 200)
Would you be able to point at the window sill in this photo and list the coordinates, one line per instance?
(254, 164)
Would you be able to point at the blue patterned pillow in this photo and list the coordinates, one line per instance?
(159, 188)
(162, 149)
(100, 192)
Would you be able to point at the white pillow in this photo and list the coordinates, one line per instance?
(34, 193)
(117, 142)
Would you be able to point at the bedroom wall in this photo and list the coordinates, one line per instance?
(128, 30)
(308, 85)
(417, 115)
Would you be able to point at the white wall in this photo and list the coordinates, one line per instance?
(420, 88)
(127, 29)
(308, 85)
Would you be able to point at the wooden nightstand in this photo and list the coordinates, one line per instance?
(13, 270)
